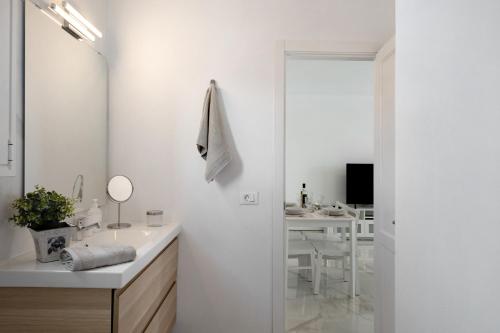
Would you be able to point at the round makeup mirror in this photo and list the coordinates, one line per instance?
(120, 189)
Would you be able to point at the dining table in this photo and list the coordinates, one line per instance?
(319, 219)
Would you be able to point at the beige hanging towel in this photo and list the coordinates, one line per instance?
(212, 144)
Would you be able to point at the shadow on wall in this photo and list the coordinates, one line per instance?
(6, 229)
(208, 279)
(13, 240)
(235, 168)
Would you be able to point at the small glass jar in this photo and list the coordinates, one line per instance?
(154, 218)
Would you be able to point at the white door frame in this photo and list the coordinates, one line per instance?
(384, 236)
(284, 49)
(384, 189)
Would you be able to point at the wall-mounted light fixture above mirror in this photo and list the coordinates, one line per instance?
(72, 21)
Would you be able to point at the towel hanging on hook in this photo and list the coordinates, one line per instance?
(212, 143)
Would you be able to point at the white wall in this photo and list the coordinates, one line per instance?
(329, 122)
(448, 162)
(162, 56)
(13, 240)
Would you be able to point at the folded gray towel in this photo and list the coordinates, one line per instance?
(211, 143)
(83, 258)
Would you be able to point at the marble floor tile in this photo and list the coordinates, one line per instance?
(332, 311)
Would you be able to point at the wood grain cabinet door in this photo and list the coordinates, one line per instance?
(55, 310)
(137, 303)
(164, 319)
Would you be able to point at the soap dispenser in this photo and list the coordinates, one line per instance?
(94, 215)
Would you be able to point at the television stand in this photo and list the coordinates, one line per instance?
(366, 228)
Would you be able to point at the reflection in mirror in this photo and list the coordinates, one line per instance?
(66, 118)
(120, 189)
(78, 189)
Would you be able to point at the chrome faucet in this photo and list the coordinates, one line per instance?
(78, 221)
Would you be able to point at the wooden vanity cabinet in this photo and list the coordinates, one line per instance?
(136, 304)
(146, 304)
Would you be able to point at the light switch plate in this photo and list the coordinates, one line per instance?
(249, 198)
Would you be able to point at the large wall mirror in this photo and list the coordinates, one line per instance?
(66, 111)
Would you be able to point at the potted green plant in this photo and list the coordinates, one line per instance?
(44, 212)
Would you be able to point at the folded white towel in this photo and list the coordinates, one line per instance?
(211, 143)
(83, 258)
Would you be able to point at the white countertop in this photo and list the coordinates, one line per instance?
(25, 271)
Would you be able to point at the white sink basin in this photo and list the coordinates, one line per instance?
(25, 271)
(136, 236)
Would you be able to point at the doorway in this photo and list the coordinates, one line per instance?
(322, 86)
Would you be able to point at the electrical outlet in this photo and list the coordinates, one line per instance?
(249, 198)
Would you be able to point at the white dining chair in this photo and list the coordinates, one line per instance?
(305, 253)
(332, 247)
(328, 250)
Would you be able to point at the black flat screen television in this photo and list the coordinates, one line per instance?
(359, 184)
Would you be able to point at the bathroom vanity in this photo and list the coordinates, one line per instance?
(138, 296)
(66, 150)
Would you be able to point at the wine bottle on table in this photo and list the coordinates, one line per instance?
(303, 196)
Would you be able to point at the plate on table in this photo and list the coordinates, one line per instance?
(335, 211)
(294, 211)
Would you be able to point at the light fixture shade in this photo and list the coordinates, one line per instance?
(82, 19)
(73, 22)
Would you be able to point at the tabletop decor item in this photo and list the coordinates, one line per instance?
(43, 213)
(154, 218)
(120, 189)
